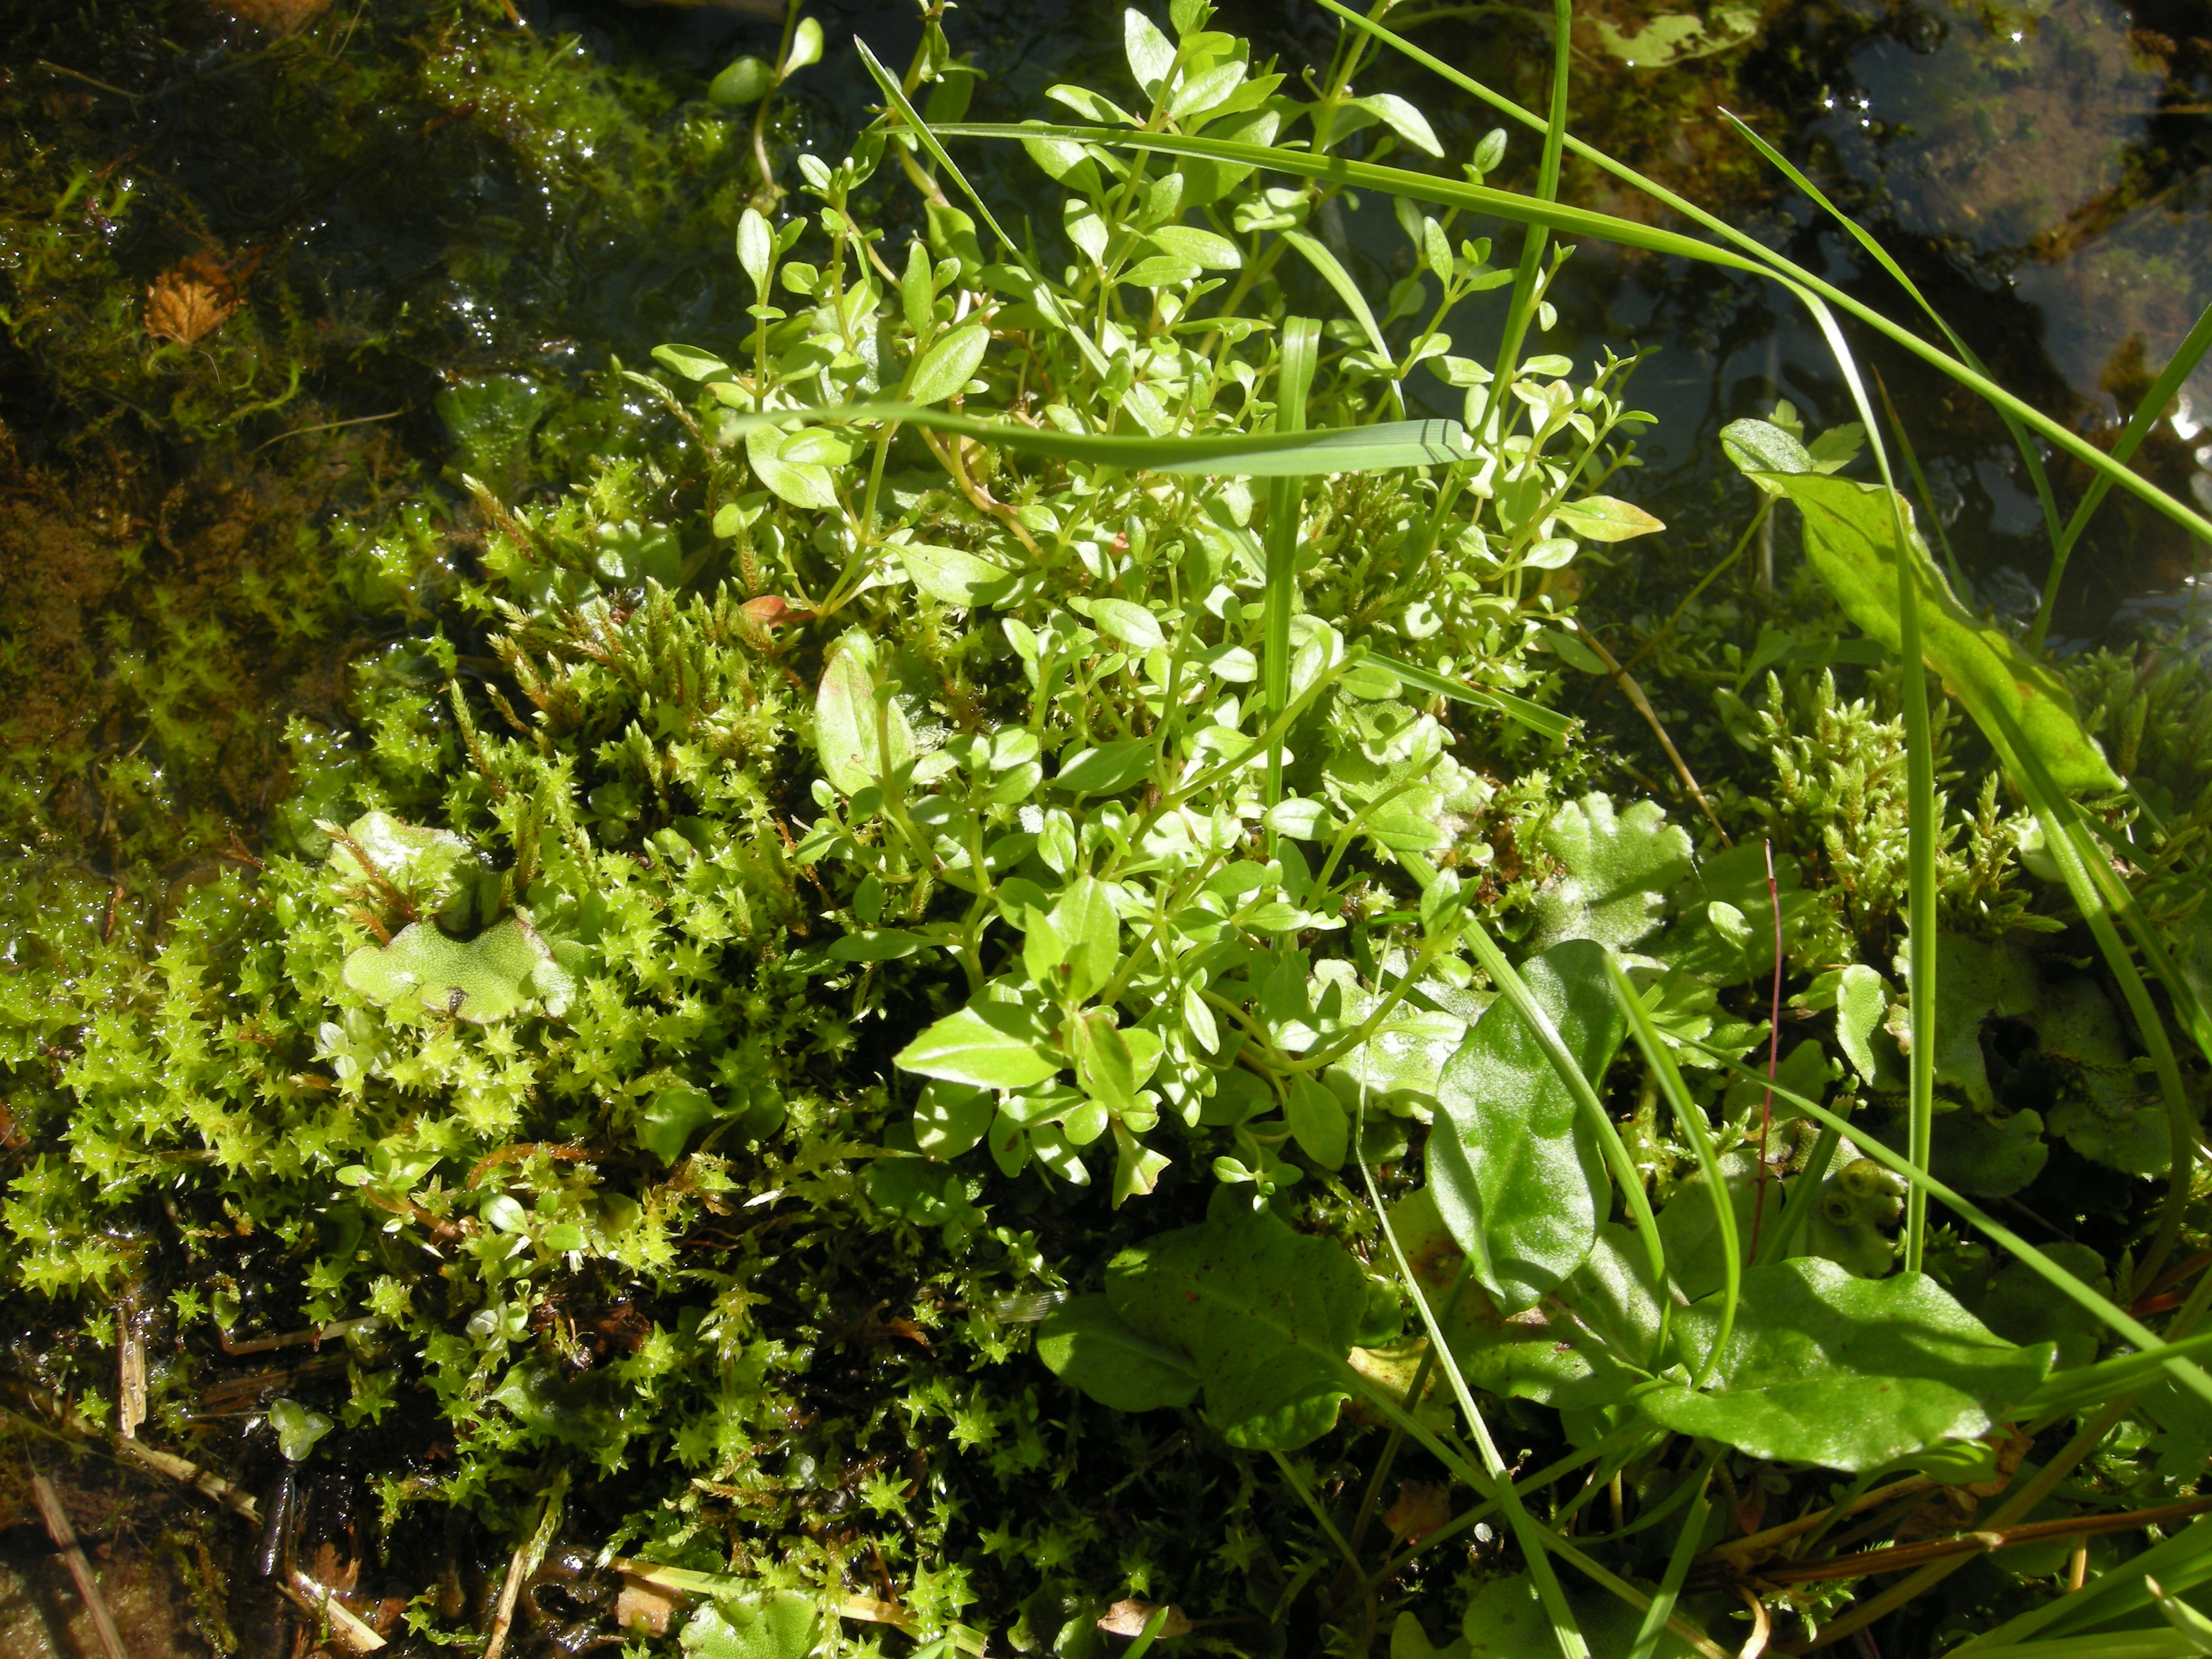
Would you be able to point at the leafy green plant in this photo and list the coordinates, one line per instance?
(925, 829)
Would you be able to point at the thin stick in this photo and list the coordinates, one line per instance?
(1896, 1558)
(1634, 692)
(80, 1568)
(325, 426)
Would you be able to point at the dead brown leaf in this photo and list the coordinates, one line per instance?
(1418, 1511)
(1129, 1618)
(197, 297)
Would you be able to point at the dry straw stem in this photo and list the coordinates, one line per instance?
(73, 1557)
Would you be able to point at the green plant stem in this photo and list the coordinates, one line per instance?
(1319, 1514)
(1677, 1565)
(1765, 507)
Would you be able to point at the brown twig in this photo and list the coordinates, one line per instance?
(73, 1557)
(316, 1334)
(1634, 693)
(1897, 1557)
(1739, 1553)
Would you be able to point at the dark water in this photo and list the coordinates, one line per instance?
(2040, 168)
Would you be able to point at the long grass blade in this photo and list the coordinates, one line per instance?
(1545, 722)
(2162, 390)
(1279, 454)
(1046, 296)
(1755, 256)
(1677, 1565)
(1301, 346)
(1923, 826)
(2063, 839)
(1333, 272)
(2037, 475)
(1528, 274)
(1692, 1121)
(1535, 1542)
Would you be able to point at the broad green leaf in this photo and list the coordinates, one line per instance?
(297, 1428)
(1379, 447)
(1318, 1122)
(805, 46)
(1759, 447)
(1103, 1063)
(1851, 540)
(950, 1119)
(949, 365)
(948, 574)
(1151, 54)
(756, 245)
(1616, 871)
(852, 747)
(690, 364)
(1606, 518)
(1843, 1372)
(1265, 1316)
(498, 974)
(1106, 769)
(1519, 1175)
(1862, 1000)
(1402, 118)
(665, 1123)
(808, 487)
(1085, 1344)
(987, 1045)
(1084, 919)
(780, 1626)
(1131, 624)
(1209, 249)
(745, 81)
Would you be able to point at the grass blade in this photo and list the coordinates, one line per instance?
(1301, 346)
(1754, 257)
(1334, 273)
(1678, 1567)
(1545, 722)
(1692, 1123)
(2063, 839)
(1527, 274)
(1046, 298)
(1298, 454)
(1880, 255)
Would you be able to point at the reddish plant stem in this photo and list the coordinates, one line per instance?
(1774, 1056)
